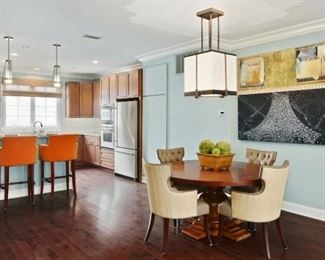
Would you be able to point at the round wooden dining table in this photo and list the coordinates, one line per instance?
(212, 183)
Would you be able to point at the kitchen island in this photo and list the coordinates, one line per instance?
(19, 173)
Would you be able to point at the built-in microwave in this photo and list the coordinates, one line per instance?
(107, 114)
(107, 136)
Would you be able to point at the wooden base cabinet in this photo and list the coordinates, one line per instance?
(107, 158)
(91, 151)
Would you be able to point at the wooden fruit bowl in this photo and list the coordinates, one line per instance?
(215, 162)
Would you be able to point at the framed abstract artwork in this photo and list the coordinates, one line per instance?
(310, 63)
(252, 72)
(283, 117)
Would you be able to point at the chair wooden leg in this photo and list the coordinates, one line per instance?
(42, 177)
(73, 171)
(278, 226)
(31, 182)
(6, 187)
(150, 225)
(165, 237)
(52, 180)
(67, 171)
(266, 240)
(207, 229)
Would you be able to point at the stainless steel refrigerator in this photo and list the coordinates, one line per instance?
(126, 138)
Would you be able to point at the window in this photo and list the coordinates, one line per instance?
(21, 112)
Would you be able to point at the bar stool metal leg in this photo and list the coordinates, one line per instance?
(67, 171)
(31, 182)
(73, 170)
(6, 187)
(42, 177)
(52, 180)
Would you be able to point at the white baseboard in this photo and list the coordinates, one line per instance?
(304, 210)
(23, 192)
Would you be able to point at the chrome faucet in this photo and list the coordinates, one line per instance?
(41, 130)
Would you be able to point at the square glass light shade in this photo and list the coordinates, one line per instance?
(210, 73)
(7, 72)
(57, 76)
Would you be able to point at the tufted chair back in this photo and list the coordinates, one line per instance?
(264, 158)
(170, 155)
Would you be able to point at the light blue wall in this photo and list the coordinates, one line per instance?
(191, 120)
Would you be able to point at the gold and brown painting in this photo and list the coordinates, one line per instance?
(310, 63)
(252, 72)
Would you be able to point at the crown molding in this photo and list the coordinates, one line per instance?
(180, 48)
(49, 75)
(121, 69)
(280, 34)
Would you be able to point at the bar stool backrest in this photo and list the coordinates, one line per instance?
(63, 147)
(18, 150)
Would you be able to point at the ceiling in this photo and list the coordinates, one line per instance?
(129, 28)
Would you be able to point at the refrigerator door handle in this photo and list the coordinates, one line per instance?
(124, 153)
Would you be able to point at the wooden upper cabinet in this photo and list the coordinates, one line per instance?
(96, 99)
(112, 89)
(86, 99)
(123, 82)
(72, 99)
(135, 77)
(104, 91)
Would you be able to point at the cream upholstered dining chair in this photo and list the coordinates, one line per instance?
(263, 206)
(263, 158)
(169, 203)
(171, 155)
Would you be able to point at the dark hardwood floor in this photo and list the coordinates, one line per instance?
(108, 220)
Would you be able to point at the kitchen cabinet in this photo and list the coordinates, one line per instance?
(96, 99)
(86, 99)
(135, 81)
(91, 149)
(72, 99)
(107, 158)
(104, 91)
(122, 83)
(112, 88)
(79, 99)
(80, 156)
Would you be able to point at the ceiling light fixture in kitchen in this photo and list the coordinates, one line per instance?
(7, 70)
(57, 68)
(95, 61)
(211, 72)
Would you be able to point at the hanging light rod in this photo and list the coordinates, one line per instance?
(7, 70)
(57, 68)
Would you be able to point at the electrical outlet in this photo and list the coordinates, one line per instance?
(221, 112)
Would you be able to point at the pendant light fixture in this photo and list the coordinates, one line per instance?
(57, 69)
(210, 72)
(7, 70)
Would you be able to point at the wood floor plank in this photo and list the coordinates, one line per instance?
(109, 218)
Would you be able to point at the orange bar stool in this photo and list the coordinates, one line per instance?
(60, 148)
(18, 151)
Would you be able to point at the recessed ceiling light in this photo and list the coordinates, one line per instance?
(95, 61)
(14, 54)
(36, 69)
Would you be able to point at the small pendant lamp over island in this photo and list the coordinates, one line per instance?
(211, 72)
(7, 70)
(57, 69)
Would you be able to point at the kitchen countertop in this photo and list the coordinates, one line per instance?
(91, 133)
